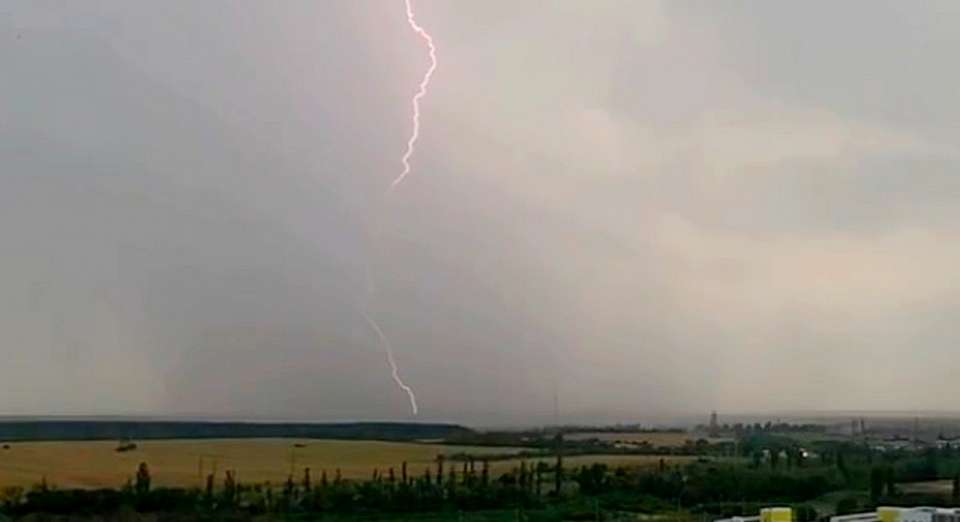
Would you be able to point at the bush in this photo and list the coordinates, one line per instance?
(805, 513)
(847, 505)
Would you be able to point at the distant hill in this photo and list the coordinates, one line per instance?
(36, 430)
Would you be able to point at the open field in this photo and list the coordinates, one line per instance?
(655, 439)
(929, 487)
(183, 462)
(658, 439)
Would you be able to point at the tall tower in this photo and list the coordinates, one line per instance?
(556, 406)
(714, 426)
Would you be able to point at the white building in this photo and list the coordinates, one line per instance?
(903, 514)
(882, 514)
(774, 514)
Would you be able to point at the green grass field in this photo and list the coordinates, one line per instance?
(185, 462)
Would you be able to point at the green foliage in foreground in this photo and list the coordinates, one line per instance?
(852, 478)
(538, 492)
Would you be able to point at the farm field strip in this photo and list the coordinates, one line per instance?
(92, 464)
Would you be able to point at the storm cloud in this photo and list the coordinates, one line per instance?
(648, 208)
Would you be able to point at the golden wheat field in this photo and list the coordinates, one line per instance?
(657, 439)
(666, 439)
(184, 462)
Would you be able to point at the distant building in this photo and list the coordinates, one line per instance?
(903, 514)
(929, 514)
(775, 514)
(882, 514)
(714, 430)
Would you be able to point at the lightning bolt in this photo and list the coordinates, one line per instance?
(395, 370)
(421, 92)
(405, 160)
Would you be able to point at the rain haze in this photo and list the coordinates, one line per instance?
(642, 208)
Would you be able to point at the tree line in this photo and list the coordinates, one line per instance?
(720, 487)
(443, 486)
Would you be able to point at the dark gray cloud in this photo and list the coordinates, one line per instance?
(650, 208)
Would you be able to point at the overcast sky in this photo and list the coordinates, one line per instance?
(651, 207)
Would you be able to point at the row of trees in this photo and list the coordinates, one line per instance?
(443, 486)
(469, 486)
(741, 429)
(719, 487)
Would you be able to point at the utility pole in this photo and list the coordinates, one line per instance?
(558, 468)
(556, 403)
(293, 450)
